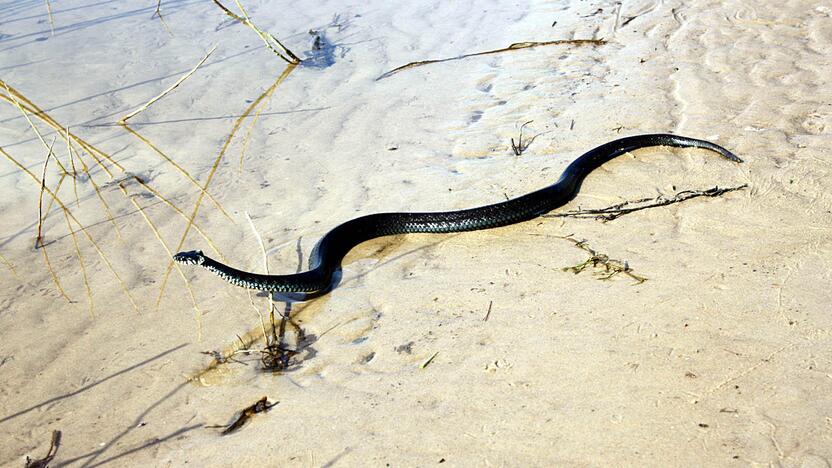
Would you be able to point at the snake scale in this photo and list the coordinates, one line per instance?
(330, 250)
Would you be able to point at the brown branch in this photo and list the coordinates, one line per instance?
(615, 211)
(519, 147)
(39, 239)
(512, 47)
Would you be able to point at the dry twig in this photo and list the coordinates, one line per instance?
(615, 211)
(512, 47)
(520, 146)
(39, 239)
(39, 244)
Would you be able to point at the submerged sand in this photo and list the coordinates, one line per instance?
(469, 349)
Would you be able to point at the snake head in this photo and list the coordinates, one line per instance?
(193, 257)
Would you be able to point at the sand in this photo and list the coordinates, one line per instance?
(473, 349)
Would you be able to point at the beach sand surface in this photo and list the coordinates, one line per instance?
(471, 349)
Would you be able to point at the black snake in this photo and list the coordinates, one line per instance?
(327, 254)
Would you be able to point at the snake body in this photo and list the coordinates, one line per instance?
(330, 250)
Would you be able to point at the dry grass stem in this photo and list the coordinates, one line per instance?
(213, 170)
(14, 100)
(91, 150)
(97, 155)
(266, 269)
(169, 89)
(39, 239)
(259, 315)
(158, 13)
(270, 41)
(18, 99)
(74, 169)
(9, 265)
(512, 47)
(176, 166)
(51, 20)
(24, 105)
(57, 189)
(86, 171)
(53, 274)
(102, 255)
(247, 138)
(75, 220)
(83, 266)
(103, 201)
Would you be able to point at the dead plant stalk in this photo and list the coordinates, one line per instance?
(39, 239)
(268, 39)
(80, 226)
(169, 89)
